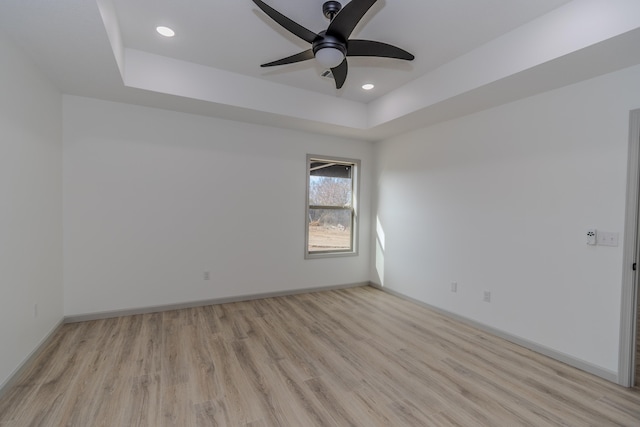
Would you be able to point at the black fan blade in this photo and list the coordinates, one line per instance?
(298, 57)
(347, 19)
(340, 73)
(286, 23)
(372, 48)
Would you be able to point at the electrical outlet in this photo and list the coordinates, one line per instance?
(454, 287)
(487, 296)
(591, 236)
(206, 275)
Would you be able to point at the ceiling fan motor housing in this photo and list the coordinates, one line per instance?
(329, 41)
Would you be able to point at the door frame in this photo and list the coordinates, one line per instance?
(631, 249)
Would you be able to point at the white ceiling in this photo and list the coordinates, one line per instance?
(470, 54)
(237, 36)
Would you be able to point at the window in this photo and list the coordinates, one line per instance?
(331, 214)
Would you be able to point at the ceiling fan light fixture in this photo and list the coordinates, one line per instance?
(329, 57)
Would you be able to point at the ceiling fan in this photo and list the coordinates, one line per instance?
(331, 47)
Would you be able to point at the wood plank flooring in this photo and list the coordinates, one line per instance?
(353, 357)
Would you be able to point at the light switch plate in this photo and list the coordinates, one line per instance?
(607, 238)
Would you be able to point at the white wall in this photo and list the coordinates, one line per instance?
(30, 208)
(153, 199)
(501, 201)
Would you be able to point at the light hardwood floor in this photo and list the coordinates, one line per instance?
(353, 357)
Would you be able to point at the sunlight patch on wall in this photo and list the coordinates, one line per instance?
(380, 242)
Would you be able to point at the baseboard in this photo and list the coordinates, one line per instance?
(190, 304)
(27, 362)
(546, 351)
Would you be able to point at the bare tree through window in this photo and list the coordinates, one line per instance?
(331, 215)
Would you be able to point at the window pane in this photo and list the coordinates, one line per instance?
(329, 230)
(329, 168)
(332, 223)
(330, 191)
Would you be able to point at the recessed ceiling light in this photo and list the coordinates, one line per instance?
(165, 31)
(368, 86)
